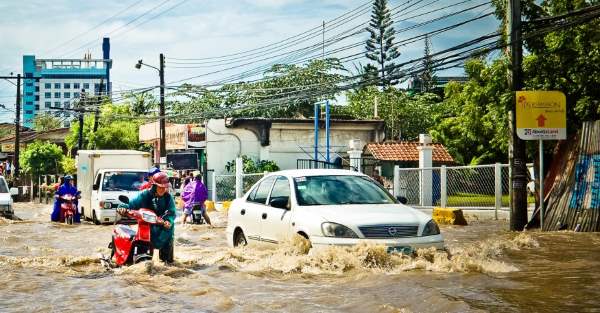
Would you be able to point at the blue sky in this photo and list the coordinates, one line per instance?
(198, 29)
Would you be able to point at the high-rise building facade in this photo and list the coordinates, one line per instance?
(53, 85)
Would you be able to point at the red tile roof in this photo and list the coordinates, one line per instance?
(405, 151)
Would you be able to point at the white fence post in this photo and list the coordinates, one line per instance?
(396, 180)
(214, 186)
(443, 187)
(239, 172)
(497, 187)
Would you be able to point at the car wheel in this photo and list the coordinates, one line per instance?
(94, 218)
(239, 240)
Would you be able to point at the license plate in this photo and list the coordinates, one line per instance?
(400, 249)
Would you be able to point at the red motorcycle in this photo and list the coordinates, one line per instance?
(129, 246)
(67, 208)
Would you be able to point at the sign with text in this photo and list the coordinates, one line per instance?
(541, 115)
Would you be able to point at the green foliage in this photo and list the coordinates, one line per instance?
(286, 91)
(251, 166)
(380, 45)
(427, 76)
(473, 124)
(114, 130)
(68, 166)
(142, 103)
(42, 158)
(44, 122)
(406, 116)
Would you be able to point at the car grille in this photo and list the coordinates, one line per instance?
(389, 231)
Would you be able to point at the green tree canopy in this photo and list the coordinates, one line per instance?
(44, 122)
(42, 158)
(380, 45)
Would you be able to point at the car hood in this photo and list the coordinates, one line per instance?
(5, 198)
(370, 214)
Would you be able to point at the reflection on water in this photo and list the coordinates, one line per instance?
(485, 268)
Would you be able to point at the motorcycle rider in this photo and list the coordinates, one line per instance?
(194, 194)
(65, 188)
(148, 178)
(158, 199)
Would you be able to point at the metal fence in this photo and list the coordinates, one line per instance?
(223, 187)
(467, 187)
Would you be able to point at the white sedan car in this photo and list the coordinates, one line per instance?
(328, 207)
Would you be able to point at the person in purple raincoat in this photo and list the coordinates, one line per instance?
(194, 194)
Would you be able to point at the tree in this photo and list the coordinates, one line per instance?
(406, 116)
(141, 103)
(68, 166)
(287, 90)
(473, 122)
(251, 166)
(427, 77)
(380, 46)
(44, 122)
(42, 158)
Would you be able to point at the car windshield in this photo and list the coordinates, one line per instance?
(122, 181)
(341, 189)
(3, 186)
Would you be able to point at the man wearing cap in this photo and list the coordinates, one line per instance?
(158, 199)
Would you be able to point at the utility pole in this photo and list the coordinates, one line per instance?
(80, 116)
(161, 72)
(518, 214)
(17, 129)
(98, 103)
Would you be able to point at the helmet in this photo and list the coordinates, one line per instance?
(151, 172)
(160, 179)
(68, 177)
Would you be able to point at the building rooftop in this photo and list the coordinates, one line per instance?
(405, 151)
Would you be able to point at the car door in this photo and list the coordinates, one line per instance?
(251, 210)
(276, 220)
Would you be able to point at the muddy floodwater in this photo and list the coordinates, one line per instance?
(49, 267)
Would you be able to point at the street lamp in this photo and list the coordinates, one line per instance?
(161, 73)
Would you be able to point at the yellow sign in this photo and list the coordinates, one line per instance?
(541, 115)
(9, 147)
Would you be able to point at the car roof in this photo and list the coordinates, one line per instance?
(315, 172)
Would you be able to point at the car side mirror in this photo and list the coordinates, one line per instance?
(124, 199)
(14, 191)
(402, 199)
(280, 203)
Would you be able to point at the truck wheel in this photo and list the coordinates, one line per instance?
(94, 218)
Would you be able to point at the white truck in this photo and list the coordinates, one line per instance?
(104, 175)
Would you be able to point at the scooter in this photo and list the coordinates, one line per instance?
(129, 246)
(68, 207)
(197, 215)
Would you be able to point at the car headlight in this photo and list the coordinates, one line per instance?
(107, 205)
(431, 228)
(337, 230)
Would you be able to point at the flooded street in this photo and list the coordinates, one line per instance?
(48, 267)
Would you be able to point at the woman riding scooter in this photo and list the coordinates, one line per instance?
(64, 189)
(158, 199)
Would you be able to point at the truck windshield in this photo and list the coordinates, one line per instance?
(122, 181)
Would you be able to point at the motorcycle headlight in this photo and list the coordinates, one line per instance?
(431, 228)
(149, 218)
(337, 230)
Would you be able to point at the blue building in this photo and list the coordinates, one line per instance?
(59, 83)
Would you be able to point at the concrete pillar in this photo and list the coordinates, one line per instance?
(355, 159)
(213, 181)
(397, 181)
(239, 179)
(425, 175)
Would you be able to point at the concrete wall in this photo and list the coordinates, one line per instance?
(287, 142)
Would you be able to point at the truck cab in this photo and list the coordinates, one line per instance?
(109, 184)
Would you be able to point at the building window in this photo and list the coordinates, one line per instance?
(47, 85)
(29, 103)
(37, 88)
(37, 107)
(67, 95)
(47, 104)
(67, 85)
(76, 95)
(29, 94)
(28, 112)
(47, 95)
(86, 86)
(37, 98)
(75, 85)
(67, 105)
(57, 104)
(57, 95)
(28, 74)
(56, 85)
(96, 87)
(29, 84)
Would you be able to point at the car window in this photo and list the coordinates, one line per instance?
(262, 191)
(281, 189)
(339, 189)
(3, 186)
